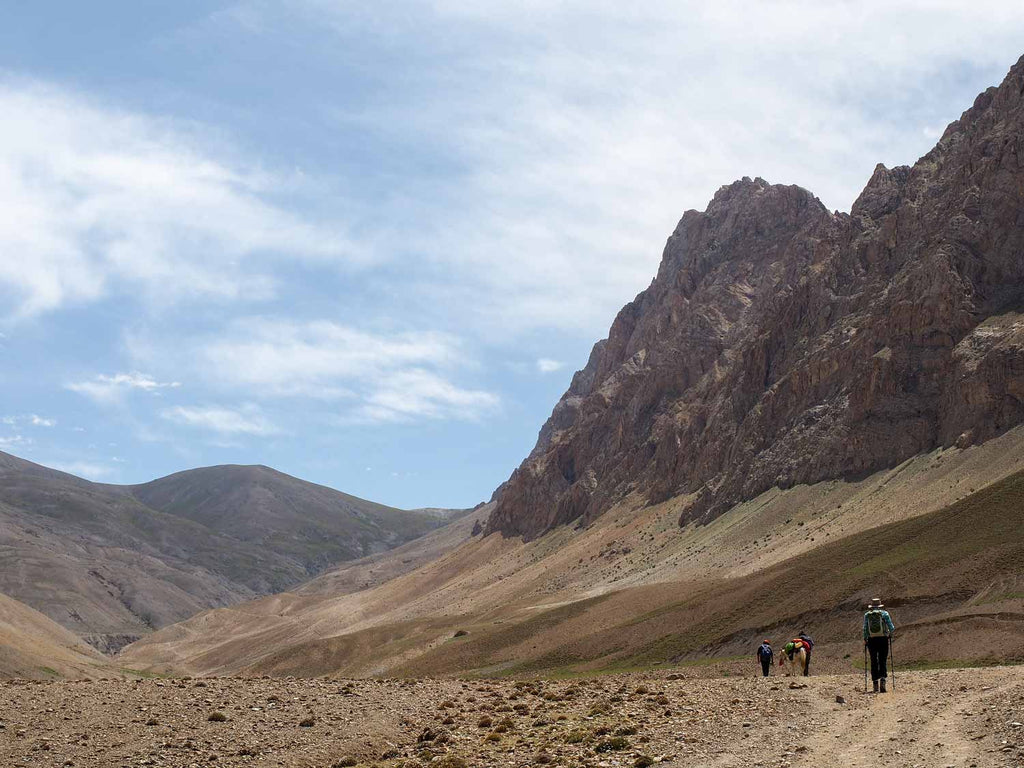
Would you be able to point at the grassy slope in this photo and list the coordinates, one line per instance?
(632, 588)
(962, 566)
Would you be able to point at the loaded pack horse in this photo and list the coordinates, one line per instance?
(797, 653)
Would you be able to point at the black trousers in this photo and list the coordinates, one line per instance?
(807, 669)
(878, 650)
(766, 665)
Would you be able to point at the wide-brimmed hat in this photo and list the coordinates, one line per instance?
(876, 602)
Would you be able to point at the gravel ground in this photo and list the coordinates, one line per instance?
(936, 718)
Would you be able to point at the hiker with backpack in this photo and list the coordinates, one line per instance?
(764, 655)
(878, 631)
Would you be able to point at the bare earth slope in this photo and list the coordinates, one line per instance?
(781, 343)
(32, 646)
(579, 598)
(112, 563)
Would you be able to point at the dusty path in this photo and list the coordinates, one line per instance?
(957, 718)
(949, 718)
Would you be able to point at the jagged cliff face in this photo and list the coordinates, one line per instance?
(781, 343)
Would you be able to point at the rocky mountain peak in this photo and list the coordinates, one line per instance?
(782, 344)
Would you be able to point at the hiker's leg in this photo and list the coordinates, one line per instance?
(765, 666)
(807, 664)
(873, 653)
(883, 657)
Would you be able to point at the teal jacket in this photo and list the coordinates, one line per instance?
(889, 628)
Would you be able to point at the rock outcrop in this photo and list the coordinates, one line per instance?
(781, 343)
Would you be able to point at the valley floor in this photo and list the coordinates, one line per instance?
(958, 717)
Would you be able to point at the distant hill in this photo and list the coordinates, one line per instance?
(114, 562)
(311, 524)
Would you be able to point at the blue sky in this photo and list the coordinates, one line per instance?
(368, 244)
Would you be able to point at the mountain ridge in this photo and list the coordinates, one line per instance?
(781, 343)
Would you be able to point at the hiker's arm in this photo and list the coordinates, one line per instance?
(888, 622)
(865, 628)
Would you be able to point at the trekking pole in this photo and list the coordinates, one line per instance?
(892, 661)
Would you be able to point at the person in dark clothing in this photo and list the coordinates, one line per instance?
(808, 646)
(878, 629)
(764, 655)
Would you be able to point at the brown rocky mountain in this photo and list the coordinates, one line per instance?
(782, 343)
(825, 401)
(112, 563)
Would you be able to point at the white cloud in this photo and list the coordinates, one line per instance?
(109, 389)
(97, 200)
(87, 469)
(581, 132)
(14, 441)
(31, 419)
(418, 394)
(371, 376)
(317, 359)
(547, 365)
(246, 421)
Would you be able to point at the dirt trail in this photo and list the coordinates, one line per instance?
(947, 718)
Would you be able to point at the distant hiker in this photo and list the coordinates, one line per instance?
(798, 651)
(764, 655)
(878, 630)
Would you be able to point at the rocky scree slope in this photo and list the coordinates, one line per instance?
(783, 344)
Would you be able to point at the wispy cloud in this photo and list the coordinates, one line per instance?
(31, 419)
(547, 365)
(418, 394)
(365, 376)
(581, 133)
(99, 200)
(14, 441)
(88, 469)
(110, 389)
(319, 358)
(247, 420)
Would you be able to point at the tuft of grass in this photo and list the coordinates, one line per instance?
(345, 762)
(217, 717)
(612, 744)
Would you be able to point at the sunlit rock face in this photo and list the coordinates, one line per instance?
(782, 343)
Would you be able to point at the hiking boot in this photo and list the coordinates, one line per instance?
(875, 684)
(882, 685)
